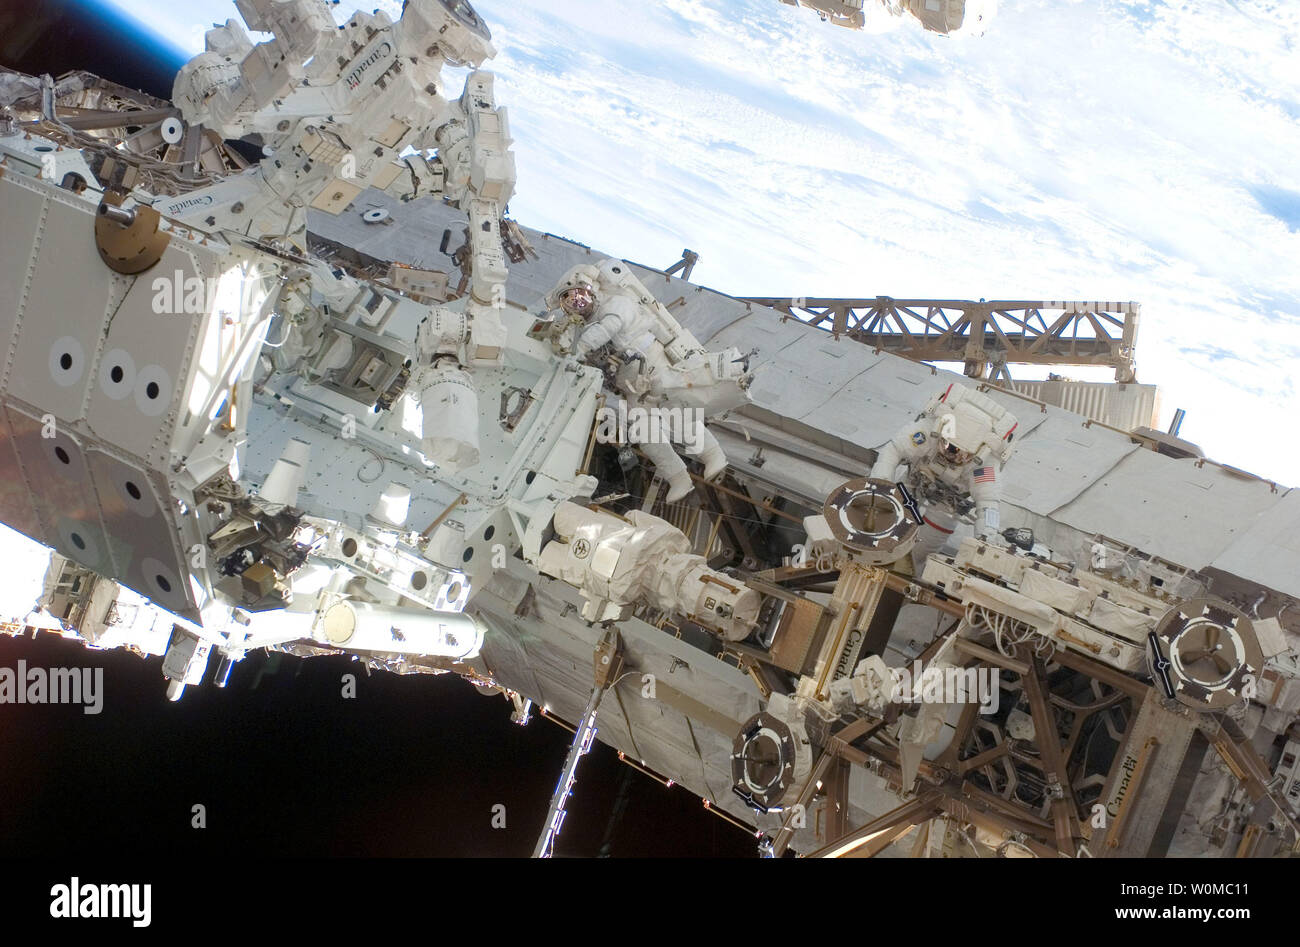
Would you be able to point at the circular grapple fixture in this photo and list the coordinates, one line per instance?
(1211, 650)
(763, 761)
(875, 519)
(467, 15)
(128, 239)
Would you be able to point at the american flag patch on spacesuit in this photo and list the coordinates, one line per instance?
(984, 475)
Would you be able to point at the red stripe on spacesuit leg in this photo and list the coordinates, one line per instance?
(932, 523)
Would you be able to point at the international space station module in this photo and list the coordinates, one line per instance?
(333, 400)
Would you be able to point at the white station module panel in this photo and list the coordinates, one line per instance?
(20, 209)
(16, 509)
(57, 474)
(69, 295)
(141, 537)
(135, 398)
(90, 396)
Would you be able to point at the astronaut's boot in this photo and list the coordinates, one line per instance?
(670, 467)
(714, 460)
(709, 452)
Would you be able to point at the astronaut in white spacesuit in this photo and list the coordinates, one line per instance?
(660, 365)
(953, 453)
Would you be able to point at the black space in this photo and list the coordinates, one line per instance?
(57, 36)
(284, 765)
(282, 762)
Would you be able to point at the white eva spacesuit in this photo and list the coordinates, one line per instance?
(662, 365)
(953, 453)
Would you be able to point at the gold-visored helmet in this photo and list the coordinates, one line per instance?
(579, 299)
(951, 448)
(952, 455)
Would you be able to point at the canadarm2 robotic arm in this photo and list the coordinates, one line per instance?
(474, 147)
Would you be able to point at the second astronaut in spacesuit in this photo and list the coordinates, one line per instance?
(952, 454)
(660, 363)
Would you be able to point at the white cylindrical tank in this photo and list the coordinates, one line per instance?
(287, 476)
(361, 626)
(392, 505)
(449, 405)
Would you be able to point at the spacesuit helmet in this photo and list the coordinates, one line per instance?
(579, 299)
(957, 437)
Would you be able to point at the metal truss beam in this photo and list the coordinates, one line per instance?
(880, 833)
(1064, 809)
(981, 334)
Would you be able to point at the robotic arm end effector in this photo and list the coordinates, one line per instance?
(461, 34)
(619, 561)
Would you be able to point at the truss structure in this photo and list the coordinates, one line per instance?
(986, 336)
